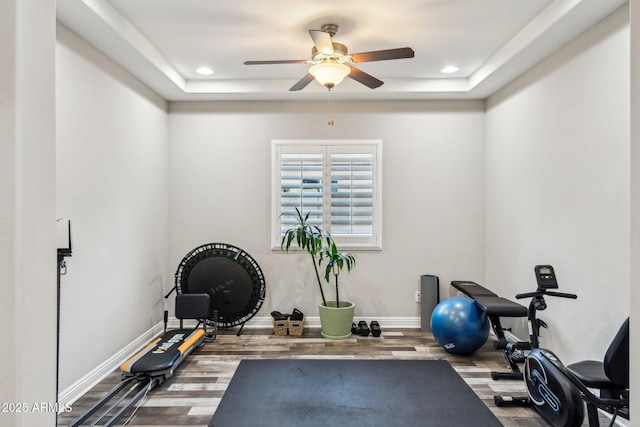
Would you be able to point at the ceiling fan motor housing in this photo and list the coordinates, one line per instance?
(332, 29)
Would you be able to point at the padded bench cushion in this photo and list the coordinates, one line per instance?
(489, 301)
(471, 289)
(498, 306)
(162, 353)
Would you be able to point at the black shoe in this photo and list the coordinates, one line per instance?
(375, 329)
(297, 315)
(364, 329)
(278, 316)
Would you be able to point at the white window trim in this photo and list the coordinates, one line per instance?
(344, 243)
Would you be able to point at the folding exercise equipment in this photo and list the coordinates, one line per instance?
(155, 363)
(496, 307)
(232, 278)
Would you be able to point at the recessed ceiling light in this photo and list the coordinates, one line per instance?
(204, 71)
(449, 69)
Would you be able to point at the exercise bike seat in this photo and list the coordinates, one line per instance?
(613, 372)
(591, 373)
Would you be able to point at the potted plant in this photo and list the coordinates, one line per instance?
(309, 238)
(335, 316)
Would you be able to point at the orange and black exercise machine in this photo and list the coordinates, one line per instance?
(155, 363)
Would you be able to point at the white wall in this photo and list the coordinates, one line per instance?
(634, 18)
(112, 172)
(557, 187)
(27, 210)
(433, 195)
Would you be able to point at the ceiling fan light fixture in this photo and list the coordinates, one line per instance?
(329, 74)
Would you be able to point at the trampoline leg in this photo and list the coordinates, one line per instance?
(240, 331)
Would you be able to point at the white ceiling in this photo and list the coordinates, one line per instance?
(162, 42)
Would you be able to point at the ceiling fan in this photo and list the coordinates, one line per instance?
(331, 62)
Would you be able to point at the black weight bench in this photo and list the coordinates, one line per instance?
(496, 307)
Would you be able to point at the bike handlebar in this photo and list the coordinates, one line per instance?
(545, 292)
(528, 295)
(562, 295)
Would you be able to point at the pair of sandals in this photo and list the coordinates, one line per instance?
(363, 330)
(295, 315)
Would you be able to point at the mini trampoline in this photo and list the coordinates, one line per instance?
(232, 278)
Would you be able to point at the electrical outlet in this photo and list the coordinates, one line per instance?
(418, 296)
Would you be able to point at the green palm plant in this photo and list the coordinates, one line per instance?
(336, 261)
(308, 237)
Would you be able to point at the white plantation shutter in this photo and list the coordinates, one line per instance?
(336, 182)
(301, 178)
(352, 194)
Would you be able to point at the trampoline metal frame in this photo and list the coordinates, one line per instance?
(243, 259)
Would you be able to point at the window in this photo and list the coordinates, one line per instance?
(336, 182)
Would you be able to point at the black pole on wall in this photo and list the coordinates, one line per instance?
(64, 250)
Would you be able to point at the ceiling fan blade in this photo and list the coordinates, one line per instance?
(286, 61)
(364, 78)
(302, 83)
(322, 40)
(383, 55)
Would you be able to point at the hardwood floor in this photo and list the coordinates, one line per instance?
(191, 396)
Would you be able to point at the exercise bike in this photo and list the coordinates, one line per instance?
(561, 402)
(515, 353)
(556, 391)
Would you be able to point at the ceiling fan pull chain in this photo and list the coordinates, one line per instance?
(330, 121)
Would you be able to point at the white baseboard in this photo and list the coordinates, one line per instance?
(84, 384)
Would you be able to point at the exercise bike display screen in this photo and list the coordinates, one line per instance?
(546, 277)
(545, 270)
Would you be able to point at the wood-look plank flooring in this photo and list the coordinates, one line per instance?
(191, 396)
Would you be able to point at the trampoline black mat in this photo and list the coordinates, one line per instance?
(368, 393)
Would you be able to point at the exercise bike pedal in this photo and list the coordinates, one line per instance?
(496, 376)
(507, 401)
(518, 357)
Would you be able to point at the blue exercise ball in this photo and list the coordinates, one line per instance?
(459, 325)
